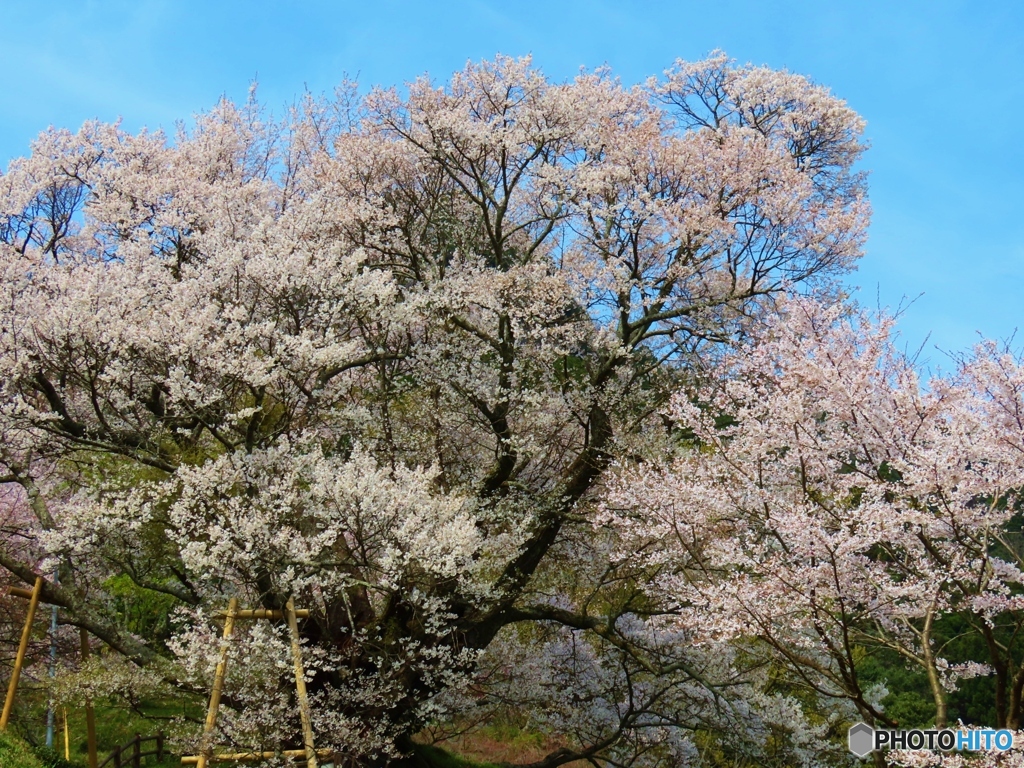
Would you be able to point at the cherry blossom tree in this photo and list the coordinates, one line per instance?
(378, 356)
(825, 502)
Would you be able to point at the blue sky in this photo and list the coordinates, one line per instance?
(941, 85)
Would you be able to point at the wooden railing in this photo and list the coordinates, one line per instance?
(131, 754)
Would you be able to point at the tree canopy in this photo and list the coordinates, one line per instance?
(537, 395)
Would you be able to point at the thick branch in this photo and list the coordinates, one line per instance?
(54, 594)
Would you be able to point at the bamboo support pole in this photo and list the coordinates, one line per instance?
(67, 737)
(20, 659)
(90, 716)
(218, 684)
(300, 687)
(241, 757)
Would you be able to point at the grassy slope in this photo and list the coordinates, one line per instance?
(14, 753)
(433, 757)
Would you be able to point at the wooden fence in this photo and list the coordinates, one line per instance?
(131, 754)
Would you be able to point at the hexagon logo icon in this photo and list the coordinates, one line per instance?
(861, 739)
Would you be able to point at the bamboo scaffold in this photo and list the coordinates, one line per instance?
(309, 751)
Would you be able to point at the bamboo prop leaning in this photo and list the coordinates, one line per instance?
(19, 660)
(33, 597)
(206, 749)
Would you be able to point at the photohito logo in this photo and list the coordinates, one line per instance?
(863, 739)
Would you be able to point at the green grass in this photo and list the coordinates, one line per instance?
(51, 758)
(434, 757)
(14, 753)
(115, 726)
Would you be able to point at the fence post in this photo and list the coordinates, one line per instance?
(137, 751)
(160, 747)
(117, 758)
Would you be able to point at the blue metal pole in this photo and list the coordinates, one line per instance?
(53, 670)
